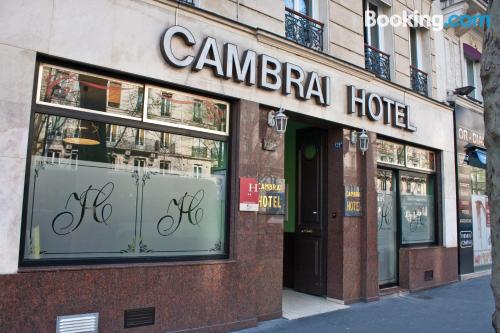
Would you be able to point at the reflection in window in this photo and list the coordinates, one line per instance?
(384, 181)
(68, 88)
(181, 109)
(420, 158)
(121, 200)
(390, 152)
(165, 107)
(139, 137)
(478, 179)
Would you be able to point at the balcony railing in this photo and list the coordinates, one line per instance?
(377, 62)
(186, 2)
(418, 80)
(303, 29)
(448, 3)
(200, 152)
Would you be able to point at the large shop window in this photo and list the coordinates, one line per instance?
(117, 189)
(415, 171)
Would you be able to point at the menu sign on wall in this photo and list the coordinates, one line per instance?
(272, 196)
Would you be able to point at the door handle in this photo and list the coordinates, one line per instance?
(315, 213)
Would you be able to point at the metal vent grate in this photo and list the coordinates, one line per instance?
(82, 323)
(139, 317)
(429, 275)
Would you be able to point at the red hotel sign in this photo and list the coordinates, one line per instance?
(249, 195)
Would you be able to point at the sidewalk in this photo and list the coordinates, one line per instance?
(461, 307)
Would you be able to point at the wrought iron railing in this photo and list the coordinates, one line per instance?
(419, 81)
(187, 2)
(201, 152)
(377, 62)
(303, 29)
(448, 3)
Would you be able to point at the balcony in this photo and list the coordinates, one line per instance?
(303, 30)
(418, 81)
(377, 62)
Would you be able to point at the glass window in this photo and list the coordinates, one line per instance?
(110, 199)
(187, 111)
(301, 6)
(417, 208)
(72, 89)
(390, 152)
(414, 47)
(373, 33)
(478, 180)
(420, 158)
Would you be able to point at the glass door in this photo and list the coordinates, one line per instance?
(387, 227)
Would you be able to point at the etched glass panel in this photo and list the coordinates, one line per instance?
(387, 227)
(103, 190)
(417, 209)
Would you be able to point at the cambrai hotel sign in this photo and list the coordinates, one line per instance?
(270, 74)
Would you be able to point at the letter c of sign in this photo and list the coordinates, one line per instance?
(166, 45)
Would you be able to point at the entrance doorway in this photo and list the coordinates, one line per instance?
(305, 226)
(387, 227)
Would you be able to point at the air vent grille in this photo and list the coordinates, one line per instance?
(429, 275)
(82, 323)
(139, 317)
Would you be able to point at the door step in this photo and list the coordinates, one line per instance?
(396, 290)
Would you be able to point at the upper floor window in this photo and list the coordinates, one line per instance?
(376, 60)
(472, 75)
(301, 6)
(418, 77)
(302, 25)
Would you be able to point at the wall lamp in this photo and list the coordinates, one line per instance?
(462, 91)
(363, 138)
(278, 120)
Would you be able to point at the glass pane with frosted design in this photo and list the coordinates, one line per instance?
(387, 226)
(417, 209)
(99, 192)
(72, 89)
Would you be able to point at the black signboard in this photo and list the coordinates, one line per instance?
(352, 199)
(469, 132)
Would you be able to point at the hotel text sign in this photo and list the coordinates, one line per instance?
(269, 73)
(263, 70)
(378, 108)
(272, 198)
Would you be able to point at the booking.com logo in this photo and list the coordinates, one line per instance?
(435, 22)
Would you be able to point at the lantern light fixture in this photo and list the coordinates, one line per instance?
(363, 138)
(278, 120)
(363, 142)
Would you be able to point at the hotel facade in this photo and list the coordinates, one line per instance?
(150, 183)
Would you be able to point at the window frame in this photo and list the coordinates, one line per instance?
(398, 170)
(52, 109)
